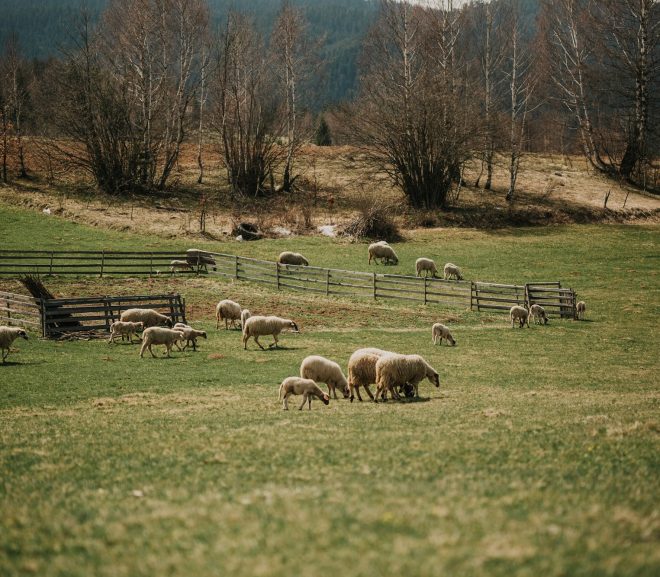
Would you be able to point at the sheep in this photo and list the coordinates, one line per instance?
(176, 265)
(537, 312)
(383, 251)
(299, 386)
(580, 309)
(7, 336)
(199, 258)
(149, 317)
(362, 370)
(190, 335)
(426, 265)
(451, 270)
(323, 370)
(245, 315)
(229, 311)
(259, 326)
(439, 332)
(125, 328)
(159, 336)
(394, 371)
(292, 258)
(520, 314)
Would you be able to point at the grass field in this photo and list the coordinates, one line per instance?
(537, 456)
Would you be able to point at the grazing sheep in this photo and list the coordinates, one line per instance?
(245, 315)
(439, 332)
(176, 265)
(229, 311)
(520, 314)
(383, 251)
(149, 317)
(159, 336)
(426, 265)
(199, 258)
(7, 336)
(394, 371)
(362, 370)
(580, 309)
(126, 328)
(452, 271)
(190, 335)
(292, 258)
(298, 386)
(323, 370)
(259, 326)
(537, 312)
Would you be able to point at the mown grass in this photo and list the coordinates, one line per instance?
(537, 456)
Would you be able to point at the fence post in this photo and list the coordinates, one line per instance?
(182, 308)
(106, 312)
(277, 274)
(528, 302)
(374, 286)
(151, 264)
(471, 295)
(327, 282)
(50, 269)
(44, 323)
(236, 266)
(102, 261)
(425, 282)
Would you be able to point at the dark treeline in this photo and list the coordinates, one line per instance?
(425, 90)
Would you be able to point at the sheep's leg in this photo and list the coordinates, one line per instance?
(256, 340)
(152, 353)
(194, 345)
(285, 402)
(334, 391)
(217, 322)
(274, 343)
(5, 354)
(300, 408)
(245, 340)
(366, 388)
(357, 390)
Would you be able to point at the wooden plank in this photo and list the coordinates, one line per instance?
(417, 300)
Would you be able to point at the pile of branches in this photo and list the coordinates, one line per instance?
(374, 222)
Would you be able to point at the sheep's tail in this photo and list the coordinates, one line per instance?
(279, 393)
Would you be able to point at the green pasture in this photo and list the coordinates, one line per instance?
(538, 455)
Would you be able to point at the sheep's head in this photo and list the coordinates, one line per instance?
(169, 322)
(304, 261)
(203, 334)
(139, 326)
(294, 327)
(326, 399)
(22, 334)
(451, 340)
(435, 378)
(343, 387)
(545, 320)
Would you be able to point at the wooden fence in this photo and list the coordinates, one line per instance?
(20, 310)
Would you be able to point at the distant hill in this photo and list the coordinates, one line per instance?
(43, 26)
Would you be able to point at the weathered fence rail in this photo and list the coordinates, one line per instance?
(20, 310)
(475, 295)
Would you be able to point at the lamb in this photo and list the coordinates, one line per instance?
(452, 271)
(580, 309)
(394, 371)
(323, 370)
(176, 265)
(537, 312)
(426, 265)
(190, 335)
(292, 258)
(126, 328)
(199, 258)
(7, 336)
(520, 314)
(439, 332)
(383, 251)
(298, 386)
(229, 311)
(245, 315)
(362, 370)
(159, 336)
(258, 326)
(149, 317)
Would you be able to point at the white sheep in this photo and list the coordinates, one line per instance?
(125, 328)
(190, 335)
(259, 326)
(580, 309)
(383, 251)
(537, 312)
(149, 317)
(245, 315)
(452, 271)
(324, 370)
(427, 265)
(362, 370)
(7, 336)
(199, 258)
(299, 386)
(159, 336)
(520, 314)
(292, 258)
(176, 265)
(394, 371)
(439, 332)
(227, 310)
